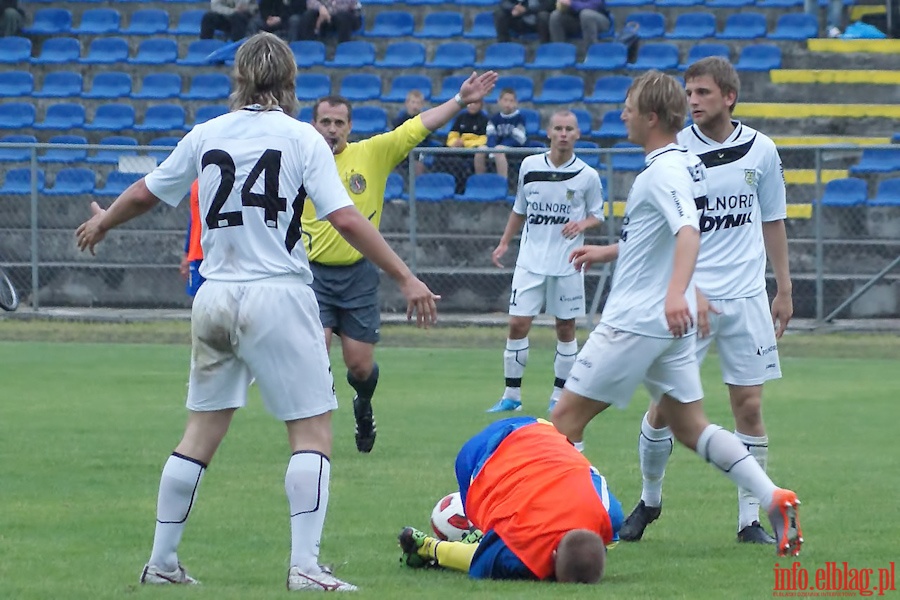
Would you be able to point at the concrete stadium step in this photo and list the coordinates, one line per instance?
(66, 213)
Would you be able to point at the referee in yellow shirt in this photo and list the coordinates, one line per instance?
(346, 284)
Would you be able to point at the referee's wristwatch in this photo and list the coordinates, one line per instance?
(458, 99)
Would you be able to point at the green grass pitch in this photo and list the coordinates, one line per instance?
(86, 427)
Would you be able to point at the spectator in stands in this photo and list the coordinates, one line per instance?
(272, 17)
(506, 129)
(589, 18)
(835, 16)
(469, 130)
(411, 107)
(523, 17)
(11, 18)
(322, 17)
(229, 16)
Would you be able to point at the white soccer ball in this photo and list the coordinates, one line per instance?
(448, 519)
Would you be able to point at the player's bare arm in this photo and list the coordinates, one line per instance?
(775, 239)
(582, 258)
(133, 202)
(363, 236)
(513, 226)
(475, 88)
(678, 313)
(573, 229)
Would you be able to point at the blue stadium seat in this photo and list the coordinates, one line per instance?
(875, 160)
(111, 157)
(106, 50)
(209, 111)
(441, 25)
(795, 26)
(60, 84)
(481, 3)
(392, 24)
(553, 56)
(147, 22)
(16, 115)
(188, 23)
(503, 55)
(157, 86)
(312, 86)
(98, 21)
(15, 50)
(361, 87)
(532, 121)
(403, 84)
(349, 55)
(409, 2)
(584, 120)
(449, 88)
(16, 154)
(610, 90)
(523, 86)
(162, 117)
(604, 57)
(16, 83)
(482, 27)
(71, 182)
(744, 26)
(155, 51)
(591, 160)
(759, 57)
(369, 120)
(779, 3)
(611, 126)
(896, 139)
(845, 192)
(109, 84)
(57, 50)
(112, 117)
(453, 55)
(393, 189)
(888, 193)
(484, 187)
(678, 3)
(628, 3)
(632, 161)
(700, 51)
(306, 114)
(198, 50)
(650, 25)
(18, 181)
(64, 155)
(435, 187)
(63, 116)
(161, 155)
(655, 56)
(308, 53)
(402, 55)
(208, 86)
(693, 26)
(50, 21)
(116, 183)
(561, 89)
(729, 3)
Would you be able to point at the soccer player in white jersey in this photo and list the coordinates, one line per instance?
(558, 198)
(647, 333)
(741, 222)
(256, 315)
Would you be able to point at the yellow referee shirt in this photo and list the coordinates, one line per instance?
(364, 168)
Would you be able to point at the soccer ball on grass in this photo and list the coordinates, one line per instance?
(448, 519)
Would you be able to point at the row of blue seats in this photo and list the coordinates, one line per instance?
(108, 117)
(115, 84)
(68, 182)
(854, 192)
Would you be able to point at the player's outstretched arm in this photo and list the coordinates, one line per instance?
(775, 239)
(678, 313)
(134, 201)
(582, 258)
(475, 88)
(363, 236)
(513, 226)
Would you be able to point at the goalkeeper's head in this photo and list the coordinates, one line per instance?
(580, 557)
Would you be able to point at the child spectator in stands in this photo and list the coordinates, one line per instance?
(413, 105)
(506, 129)
(11, 18)
(469, 130)
(523, 17)
(229, 16)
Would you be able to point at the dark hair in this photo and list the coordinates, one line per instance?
(332, 101)
(508, 90)
(580, 557)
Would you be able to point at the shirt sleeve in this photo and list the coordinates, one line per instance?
(595, 197)
(320, 178)
(520, 206)
(390, 148)
(772, 196)
(673, 194)
(172, 180)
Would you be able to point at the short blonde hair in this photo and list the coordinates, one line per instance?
(656, 92)
(264, 73)
(721, 72)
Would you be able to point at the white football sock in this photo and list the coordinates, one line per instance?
(725, 451)
(306, 484)
(748, 506)
(562, 364)
(654, 449)
(177, 490)
(515, 357)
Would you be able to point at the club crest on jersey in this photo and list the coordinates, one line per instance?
(750, 177)
(570, 195)
(357, 183)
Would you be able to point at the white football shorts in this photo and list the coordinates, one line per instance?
(562, 295)
(745, 340)
(267, 329)
(612, 363)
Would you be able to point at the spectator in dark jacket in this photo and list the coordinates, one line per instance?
(589, 18)
(322, 17)
(11, 18)
(229, 16)
(273, 17)
(506, 129)
(522, 17)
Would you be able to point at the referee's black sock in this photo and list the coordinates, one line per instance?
(365, 388)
